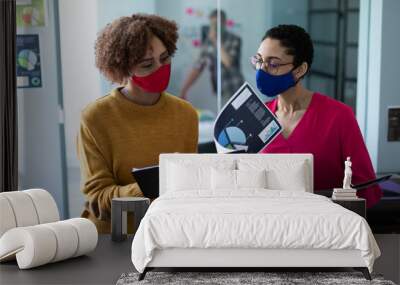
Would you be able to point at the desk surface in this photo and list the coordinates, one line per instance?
(102, 266)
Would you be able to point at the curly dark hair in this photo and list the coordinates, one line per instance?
(297, 42)
(123, 43)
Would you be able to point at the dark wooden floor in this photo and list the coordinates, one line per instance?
(102, 266)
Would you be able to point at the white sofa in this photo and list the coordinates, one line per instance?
(31, 233)
(167, 236)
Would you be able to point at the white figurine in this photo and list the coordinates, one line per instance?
(347, 174)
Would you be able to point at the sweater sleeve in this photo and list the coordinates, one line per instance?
(193, 132)
(353, 146)
(98, 183)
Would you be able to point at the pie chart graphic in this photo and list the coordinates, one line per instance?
(27, 59)
(232, 138)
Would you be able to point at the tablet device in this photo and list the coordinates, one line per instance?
(147, 179)
(236, 151)
(371, 182)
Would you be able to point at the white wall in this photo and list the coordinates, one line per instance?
(81, 80)
(40, 153)
(378, 85)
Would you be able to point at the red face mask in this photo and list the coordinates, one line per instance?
(155, 82)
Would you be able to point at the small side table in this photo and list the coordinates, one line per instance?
(119, 209)
(357, 205)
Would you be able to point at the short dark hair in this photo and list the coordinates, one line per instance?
(214, 14)
(123, 43)
(297, 42)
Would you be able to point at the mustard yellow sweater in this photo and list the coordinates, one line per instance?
(117, 135)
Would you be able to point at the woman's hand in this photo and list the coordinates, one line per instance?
(183, 94)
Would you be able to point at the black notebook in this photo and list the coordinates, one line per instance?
(148, 181)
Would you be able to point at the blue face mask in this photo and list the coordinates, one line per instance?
(273, 85)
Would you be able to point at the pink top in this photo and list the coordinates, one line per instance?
(329, 130)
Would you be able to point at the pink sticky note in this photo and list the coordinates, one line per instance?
(189, 11)
(230, 23)
(196, 42)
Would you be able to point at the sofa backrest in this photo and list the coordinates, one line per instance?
(26, 208)
(286, 166)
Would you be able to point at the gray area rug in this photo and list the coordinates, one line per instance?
(225, 278)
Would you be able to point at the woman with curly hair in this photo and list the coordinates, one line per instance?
(134, 123)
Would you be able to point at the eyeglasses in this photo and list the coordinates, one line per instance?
(271, 67)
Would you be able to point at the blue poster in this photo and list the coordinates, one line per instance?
(29, 73)
(245, 123)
